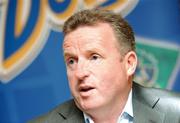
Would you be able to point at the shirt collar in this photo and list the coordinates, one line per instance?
(128, 109)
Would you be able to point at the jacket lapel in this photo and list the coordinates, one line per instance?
(71, 114)
(76, 118)
(144, 106)
(145, 114)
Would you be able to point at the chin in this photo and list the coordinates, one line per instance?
(89, 105)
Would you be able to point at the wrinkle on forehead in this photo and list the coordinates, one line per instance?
(88, 37)
(82, 36)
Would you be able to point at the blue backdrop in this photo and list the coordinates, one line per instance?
(33, 79)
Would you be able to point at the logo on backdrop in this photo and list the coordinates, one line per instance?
(158, 63)
(25, 25)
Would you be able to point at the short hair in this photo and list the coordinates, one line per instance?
(123, 31)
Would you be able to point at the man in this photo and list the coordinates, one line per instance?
(99, 52)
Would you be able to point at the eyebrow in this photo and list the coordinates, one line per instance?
(88, 50)
(66, 54)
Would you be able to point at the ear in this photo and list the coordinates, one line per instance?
(131, 62)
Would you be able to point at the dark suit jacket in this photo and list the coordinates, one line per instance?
(149, 106)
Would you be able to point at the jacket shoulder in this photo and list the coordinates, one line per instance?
(57, 114)
(160, 98)
(155, 92)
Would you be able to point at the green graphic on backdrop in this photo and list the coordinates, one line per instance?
(157, 63)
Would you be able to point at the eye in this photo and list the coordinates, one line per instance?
(94, 56)
(70, 61)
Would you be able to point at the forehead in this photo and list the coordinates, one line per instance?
(100, 34)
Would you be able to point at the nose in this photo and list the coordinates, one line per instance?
(82, 71)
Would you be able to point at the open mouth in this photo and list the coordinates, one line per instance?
(85, 89)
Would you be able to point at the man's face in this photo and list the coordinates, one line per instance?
(96, 71)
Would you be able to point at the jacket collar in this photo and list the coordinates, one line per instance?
(144, 106)
(71, 113)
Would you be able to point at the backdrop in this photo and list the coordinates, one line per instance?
(32, 71)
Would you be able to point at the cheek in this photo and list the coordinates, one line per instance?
(71, 80)
(113, 75)
(104, 74)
